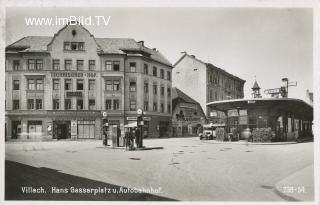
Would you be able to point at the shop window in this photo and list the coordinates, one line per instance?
(56, 64)
(108, 104)
(92, 64)
(79, 104)
(116, 104)
(109, 85)
(133, 67)
(68, 84)
(92, 104)
(145, 69)
(116, 85)
(92, 84)
(30, 104)
(162, 73)
(38, 104)
(67, 64)
(154, 71)
(16, 85)
(146, 87)
(16, 104)
(108, 65)
(79, 64)
(116, 65)
(155, 107)
(56, 84)
(133, 105)
(67, 104)
(86, 129)
(55, 104)
(146, 106)
(16, 65)
(79, 84)
(133, 86)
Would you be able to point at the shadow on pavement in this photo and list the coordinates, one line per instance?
(19, 175)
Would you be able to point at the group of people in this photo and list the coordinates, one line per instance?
(132, 136)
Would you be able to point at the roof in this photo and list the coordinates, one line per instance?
(108, 46)
(208, 65)
(288, 104)
(255, 85)
(176, 93)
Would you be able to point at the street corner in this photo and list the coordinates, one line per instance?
(298, 186)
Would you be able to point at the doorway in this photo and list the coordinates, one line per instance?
(61, 130)
(16, 129)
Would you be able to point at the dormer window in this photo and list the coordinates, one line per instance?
(73, 46)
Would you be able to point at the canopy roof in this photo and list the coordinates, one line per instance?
(291, 105)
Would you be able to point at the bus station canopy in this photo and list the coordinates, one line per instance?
(291, 105)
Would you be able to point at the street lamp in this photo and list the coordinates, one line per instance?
(140, 124)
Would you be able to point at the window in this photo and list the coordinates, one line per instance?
(109, 85)
(132, 86)
(92, 104)
(155, 107)
(74, 46)
(168, 75)
(92, 64)
(146, 106)
(55, 104)
(132, 67)
(169, 92)
(79, 64)
(66, 46)
(30, 104)
(67, 64)
(31, 64)
(146, 87)
(81, 46)
(56, 84)
(155, 89)
(162, 73)
(79, 104)
(116, 85)
(68, 84)
(38, 104)
(154, 71)
(145, 69)
(56, 64)
(133, 105)
(16, 85)
(67, 104)
(39, 83)
(116, 104)
(108, 104)
(116, 65)
(92, 84)
(169, 108)
(162, 91)
(16, 104)
(79, 84)
(16, 65)
(39, 65)
(162, 107)
(31, 84)
(108, 65)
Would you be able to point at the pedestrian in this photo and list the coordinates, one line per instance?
(137, 137)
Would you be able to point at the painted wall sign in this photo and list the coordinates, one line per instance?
(73, 74)
(74, 94)
(73, 127)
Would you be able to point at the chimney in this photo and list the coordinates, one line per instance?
(193, 56)
(141, 43)
(154, 49)
(183, 52)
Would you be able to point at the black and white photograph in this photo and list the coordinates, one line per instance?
(139, 103)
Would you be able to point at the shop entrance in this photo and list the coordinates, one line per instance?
(16, 129)
(61, 130)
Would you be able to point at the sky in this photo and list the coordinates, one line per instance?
(266, 44)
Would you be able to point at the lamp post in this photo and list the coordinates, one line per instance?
(105, 125)
(140, 124)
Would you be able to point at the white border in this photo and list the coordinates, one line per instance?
(170, 3)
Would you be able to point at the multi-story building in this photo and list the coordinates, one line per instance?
(187, 114)
(206, 83)
(57, 87)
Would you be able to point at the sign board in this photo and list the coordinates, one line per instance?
(135, 118)
(74, 94)
(139, 111)
(251, 101)
(74, 127)
(104, 114)
(272, 91)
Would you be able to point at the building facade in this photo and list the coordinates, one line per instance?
(57, 87)
(187, 114)
(205, 83)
